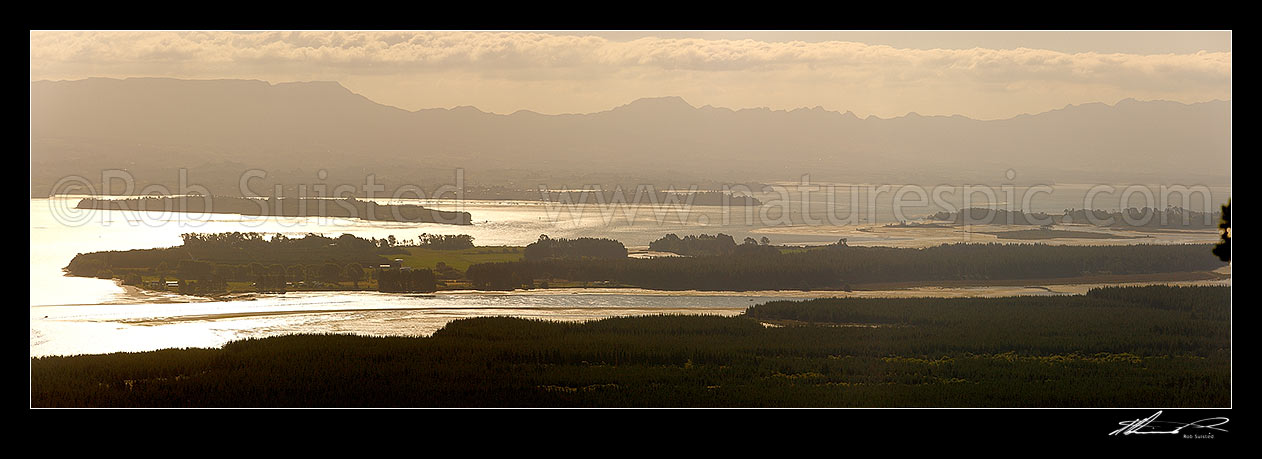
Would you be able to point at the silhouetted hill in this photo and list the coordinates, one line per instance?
(151, 126)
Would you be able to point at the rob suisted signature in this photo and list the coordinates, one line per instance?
(1150, 425)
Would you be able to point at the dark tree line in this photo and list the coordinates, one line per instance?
(271, 283)
(694, 246)
(757, 267)
(1120, 347)
(445, 241)
(206, 276)
(205, 263)
(287, 207)
(583, 247)
(1223, 249)
(406, 280)
(1173, 217)
(500, 276)
(707, 245)
(240, 256)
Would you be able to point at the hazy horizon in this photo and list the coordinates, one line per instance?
(984, 75)
(649, 97)
(663, 106)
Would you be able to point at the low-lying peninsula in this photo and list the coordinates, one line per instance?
(1049, 233)
(1132, 218)
(283, 207)
(209, 264)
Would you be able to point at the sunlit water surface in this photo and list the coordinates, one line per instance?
(71, 315)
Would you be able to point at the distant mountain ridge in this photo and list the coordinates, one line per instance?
(151, 125)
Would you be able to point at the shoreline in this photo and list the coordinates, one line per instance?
(1015, 287)
(1121, 279)
(922, 236)
(281, 208)
(593, 311)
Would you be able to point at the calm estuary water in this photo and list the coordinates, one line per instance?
(72, 315)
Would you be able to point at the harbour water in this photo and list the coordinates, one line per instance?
(71, 315)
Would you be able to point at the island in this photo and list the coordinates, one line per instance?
(349, 207)
(228, 263)
(1132, 218)
(1049, 233)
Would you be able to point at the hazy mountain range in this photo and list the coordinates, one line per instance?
(219, 128)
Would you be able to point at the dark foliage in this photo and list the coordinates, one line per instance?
(1223, 249)
(270, 283)
(286, 207)
(445, 241)
(1173, 217)
(759, 267)
(718, 263)
(239, 257)
(583, 247)
(405, 280)
(1121, 347)
(699, 245)
(498, 276)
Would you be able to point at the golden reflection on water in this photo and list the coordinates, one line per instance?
(96, 329)
(71, 315)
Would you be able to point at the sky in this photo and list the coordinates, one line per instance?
(979, 74)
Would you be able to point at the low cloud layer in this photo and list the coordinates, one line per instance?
(507, 71)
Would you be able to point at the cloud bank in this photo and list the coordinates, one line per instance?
(505, 71)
